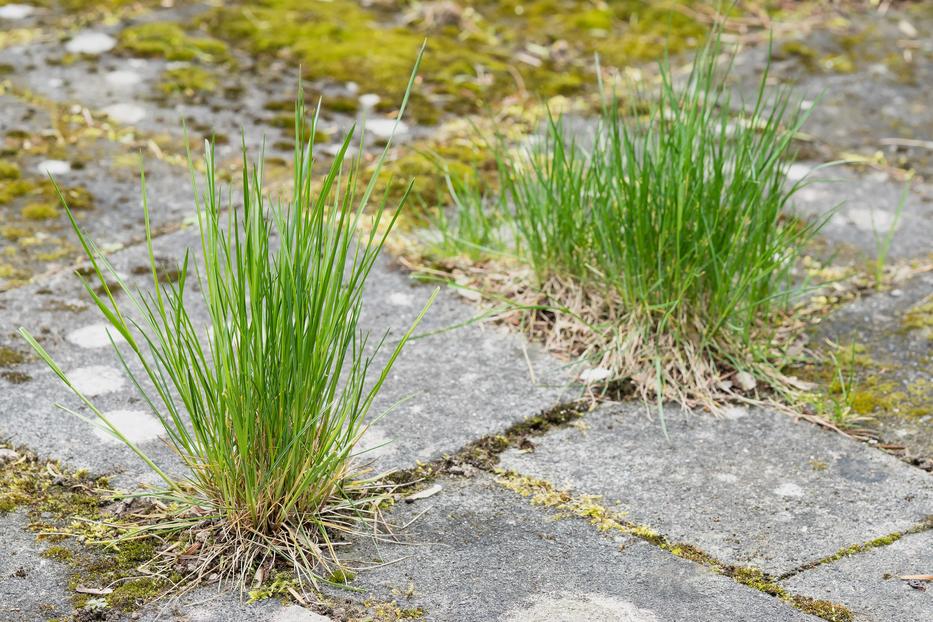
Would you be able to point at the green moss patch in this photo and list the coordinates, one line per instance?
(170, 41)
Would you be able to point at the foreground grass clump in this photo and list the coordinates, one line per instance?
(656, 248)
(266, 398)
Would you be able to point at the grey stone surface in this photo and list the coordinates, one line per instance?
(32, 588)
(868, 584)
(456, 385)
(896, 359)
(481, 553)
(864, 206)
(753, 488)
(869, 78)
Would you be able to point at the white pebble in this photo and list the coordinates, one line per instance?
(399, 299)
(54, 167)
(135, 425)
(90, 43)
(16, 11)
(369, 100)
(94, 336)
(123, 78)
(125, 113)
(384, 128)
(96, 380)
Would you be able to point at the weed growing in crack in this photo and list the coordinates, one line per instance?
(659, 251)
(266, 402)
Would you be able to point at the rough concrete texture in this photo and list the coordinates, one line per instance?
(485, 385)
(869, 585)
(891, 363)
(753, 488)
(865, 207)
(757, 490)
(32, 588)
(866, 80)
(480, 552)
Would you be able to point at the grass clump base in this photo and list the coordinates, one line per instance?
(265, 398)
(655, 247)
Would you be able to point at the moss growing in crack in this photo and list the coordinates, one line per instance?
(13, 188)
(40, 211)
(279, 587)
(188, 81)
(9, 170)
(170, 41)
(392, 612)
(58, 553)
(10, 356)
(920, 316)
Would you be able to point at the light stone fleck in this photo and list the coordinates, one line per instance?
(135, 425)
(94, 336)
(385, 128)
(789, 489)
(96, 380)
(16, 11)
(591, 607)
(123, 77)
(54, 167)
(90, 42)
(125, 113)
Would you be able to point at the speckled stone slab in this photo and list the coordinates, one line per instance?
(754, 488)
(868, 583)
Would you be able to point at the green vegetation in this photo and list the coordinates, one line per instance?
(266, 408)
(480, 51)
(170, 41)
(661, 246)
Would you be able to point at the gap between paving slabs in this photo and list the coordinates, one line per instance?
(484, 388)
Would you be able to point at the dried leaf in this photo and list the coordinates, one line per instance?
(93, 591)
(430, 491)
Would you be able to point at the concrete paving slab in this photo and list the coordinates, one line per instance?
(32, 588)
(457, 385)
(864, 206)
(753, 488)
(867, 583)
(888, 349)
(483, 553)
(868, 73)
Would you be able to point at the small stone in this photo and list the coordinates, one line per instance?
(54, 167)
(369, 100)
(123, 78)
(135, 425)
(125, 113)
(95, 380)
(8, 455)
(745, 381)
(16, 11)
(386, 128)
(92, 43)
(94, 336)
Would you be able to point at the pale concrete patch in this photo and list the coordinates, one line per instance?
(135, 425)
(95, 380)
(576, 608)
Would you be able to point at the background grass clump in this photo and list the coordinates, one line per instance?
(265, 400)
(655, 244)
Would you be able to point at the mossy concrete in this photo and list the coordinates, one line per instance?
(480, 552)
(869, 583)
(743, 487)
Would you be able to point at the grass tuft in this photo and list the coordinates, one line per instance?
(266, 400)
(655, 247)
